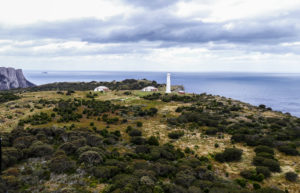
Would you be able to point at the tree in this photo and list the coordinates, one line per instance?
(91, 158)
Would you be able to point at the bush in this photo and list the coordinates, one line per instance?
(288, 150)
(61, 164)
(252, 175)
(142, 149)
(10, 156)
(211, 131)
(91, 158)
(153, 141)
(135, 132)
(265, 155)
(39, 149)
(176, 134)
(94, 140)
(230, 154)
(273, 165)
(263, 170)
(262, 148)
(256, 186)
(184, 178)
(138, 140)
(105, 172)
(241, 182)
(23, 142)
(5, 97)
(68, 147)
(291, 176)
(139, 124)
(128, 129)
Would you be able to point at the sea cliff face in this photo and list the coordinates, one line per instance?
(13, 78)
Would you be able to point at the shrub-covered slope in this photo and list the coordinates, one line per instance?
(130, 141)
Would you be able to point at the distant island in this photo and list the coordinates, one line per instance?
(65, 137)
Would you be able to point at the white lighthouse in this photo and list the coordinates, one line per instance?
(168, 88)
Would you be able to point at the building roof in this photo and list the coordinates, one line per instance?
(104, 87)
(150, 87)
(101, 88)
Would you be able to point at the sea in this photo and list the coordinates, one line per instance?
(279, 91)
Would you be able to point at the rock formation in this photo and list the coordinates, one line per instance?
(13, 78)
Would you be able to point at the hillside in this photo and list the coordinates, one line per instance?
(132, 141)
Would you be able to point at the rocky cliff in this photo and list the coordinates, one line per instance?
(13, 78)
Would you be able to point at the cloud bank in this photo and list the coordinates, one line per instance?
(238, 35)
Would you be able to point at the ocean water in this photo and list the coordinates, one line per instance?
(281, 92)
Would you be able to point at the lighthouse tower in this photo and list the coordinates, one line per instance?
(168, 88)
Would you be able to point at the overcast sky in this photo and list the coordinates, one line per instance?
(154, 35)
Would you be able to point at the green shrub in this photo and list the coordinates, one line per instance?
(229, 155)
(288, 150)
(272, 164)
(184, 178)
(176, 134)
(105, 172)
(291, 176)
(94, 140)
(211, 131)
(265, 149)
(10, 156)
(135, 132)
(39, 149)
(138, 140)
(23, 142)
(68, 147)
(139, 124)
(263, 170)
(91, 158)
(128, 129)
(153, 141)
(265, 155)
(241, 182)
(252, 175)
(256, 186)
(62, 164)
(5, 97)
(142, 149)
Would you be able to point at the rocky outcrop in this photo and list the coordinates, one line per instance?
(13, 78)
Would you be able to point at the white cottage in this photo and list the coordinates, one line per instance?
(101, 88)
(149, 89)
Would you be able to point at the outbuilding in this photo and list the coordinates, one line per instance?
(149, 89)
(101, 88)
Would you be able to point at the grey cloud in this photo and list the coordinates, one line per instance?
(160, 26)
(151, 3)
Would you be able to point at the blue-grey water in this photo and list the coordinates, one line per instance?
(281, 92)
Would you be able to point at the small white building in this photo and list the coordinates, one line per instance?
(101, 88)
(149, 89)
